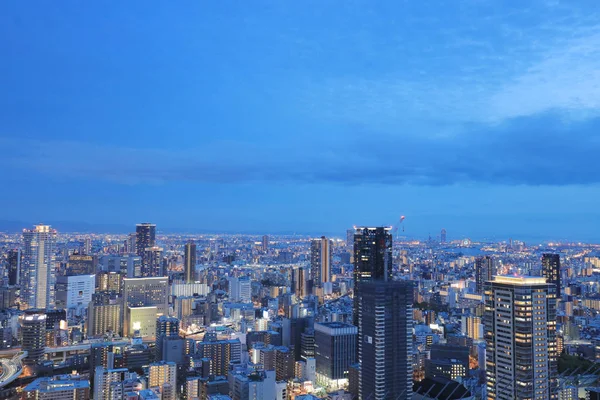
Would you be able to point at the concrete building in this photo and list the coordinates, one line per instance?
(334, 352)
(520, 333)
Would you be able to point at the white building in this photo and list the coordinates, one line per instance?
(240, 290)
(38, 268)
(73, 292)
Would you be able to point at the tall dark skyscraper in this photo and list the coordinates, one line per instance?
(14, 266)
(189, 262)
(320, 261)
(484, 271)
(372, 259)
(443, 236)
(551, 270)
(385, 340)
(145, 237)
(265, 243)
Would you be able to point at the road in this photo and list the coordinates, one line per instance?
(11, 368)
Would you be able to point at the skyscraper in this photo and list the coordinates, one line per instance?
(372, 259)
(14, 266)
(484, 270)
(443, 236)
(190, 262)
(385, 340)
(104, 314)
(551, 270)
(145, 237)
(520, 334)
(152, 262)
(320, 261)
(166, 327)
(81, 264)
(38, 269)
(265, 243)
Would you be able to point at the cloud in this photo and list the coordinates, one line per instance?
(541, 150)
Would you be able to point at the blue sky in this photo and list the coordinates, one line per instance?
(481, 117)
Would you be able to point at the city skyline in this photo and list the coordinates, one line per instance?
(480, 119)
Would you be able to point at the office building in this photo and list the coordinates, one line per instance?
(265, 243)
(189, 262)
(81, 264)
(59, 387)
(551, 270)
(443, 236)
(13, 260)
(484, 271)
(141, 322)
(385, 340)
(520, 334)
(334, 352)
(152, 262)
(372, 259)
(75, 292)
(166, 328)
(104, 314)
(240, 290)
(33, 331)
(250, 385)
(299, 282)
(38, 269)
(320, 261)
(129, 265)
(163, 375)
(145, 237)
(145, 292)
(109, 282)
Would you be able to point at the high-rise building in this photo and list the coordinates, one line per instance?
(284, 363)
(38, 269)
(484, 271)
(372, 259)
(265, 243)
(152, 262)
(81, 264)
(166, 328)
(108, 383)
(320, 261)
(87, 246)
(520, 334)
(104, 314)
(33, 331)
(334, 351)
(145, 237)
(551, 270)
(299, 282)
(145, 292)
(221, 353)
(14, 266)
(385, 340)
(443, 236)
(189, 263)
(163, 375)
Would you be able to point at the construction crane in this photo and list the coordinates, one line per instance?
(395, 228)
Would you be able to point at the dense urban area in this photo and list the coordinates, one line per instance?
(371, 315)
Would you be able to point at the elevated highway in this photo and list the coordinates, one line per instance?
(11, 368)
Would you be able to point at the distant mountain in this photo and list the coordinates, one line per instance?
(66, 226)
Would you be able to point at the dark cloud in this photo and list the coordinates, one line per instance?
(547, 149)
